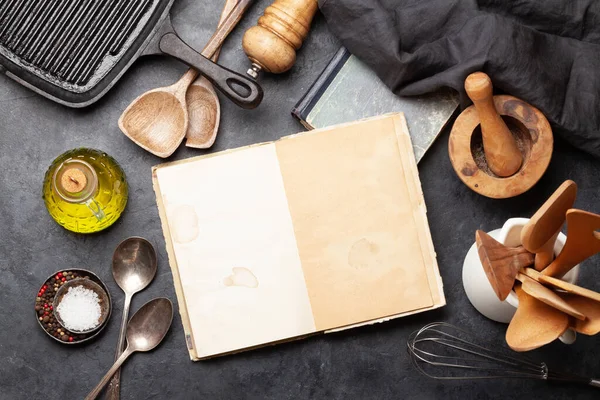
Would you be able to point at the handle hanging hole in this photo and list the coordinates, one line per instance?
(240, 88)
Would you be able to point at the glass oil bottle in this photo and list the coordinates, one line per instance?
(85, 190)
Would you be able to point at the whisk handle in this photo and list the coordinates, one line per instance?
(595, 383)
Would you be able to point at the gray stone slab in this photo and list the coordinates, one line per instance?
(364, 363)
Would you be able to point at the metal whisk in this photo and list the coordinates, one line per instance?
(443, 351)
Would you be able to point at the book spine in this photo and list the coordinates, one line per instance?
(302, 109)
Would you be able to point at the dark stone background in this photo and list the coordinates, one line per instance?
(369, 362)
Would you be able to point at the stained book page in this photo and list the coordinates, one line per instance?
(354, 212)
(235, 249)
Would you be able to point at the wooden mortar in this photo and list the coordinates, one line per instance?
(501, 146)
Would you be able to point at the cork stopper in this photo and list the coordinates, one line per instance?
(73, 180)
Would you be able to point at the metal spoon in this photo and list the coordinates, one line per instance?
(204, 108)
(145, 331)
(133, 267)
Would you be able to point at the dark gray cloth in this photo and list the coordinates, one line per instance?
(546, 52)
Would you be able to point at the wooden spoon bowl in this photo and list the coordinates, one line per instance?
(204, 111)
(156, 121)
(534, 324)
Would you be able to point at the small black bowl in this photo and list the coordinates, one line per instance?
(88, 284)
(81, 274)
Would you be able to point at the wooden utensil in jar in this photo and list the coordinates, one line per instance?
(158, 120)
(562, 285)
(271, 45)
(547, 296)
(583, 241)
(501, 263)
(591, 309)
(203, 105)
(534, 324)
(540, 233)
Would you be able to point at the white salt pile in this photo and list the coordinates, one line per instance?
(79, 309)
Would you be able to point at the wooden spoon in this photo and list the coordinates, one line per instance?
(501, 263)
(204, 108)
(591, 309)
(158, 120)
(534, 324)
(540, 233)
(583, 241)
(560, 284)
(545, 295)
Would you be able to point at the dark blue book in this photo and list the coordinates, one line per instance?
(347, 90)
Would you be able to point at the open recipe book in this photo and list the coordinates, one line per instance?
(319, 231)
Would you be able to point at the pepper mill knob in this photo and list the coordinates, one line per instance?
(499, 145)
(271, 45)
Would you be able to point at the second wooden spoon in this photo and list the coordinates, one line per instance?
(204, 108)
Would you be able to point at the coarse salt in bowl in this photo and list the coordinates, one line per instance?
(81, 306)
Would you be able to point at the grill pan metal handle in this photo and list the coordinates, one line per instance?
(242, 90)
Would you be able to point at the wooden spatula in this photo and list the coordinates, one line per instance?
(534, 324)
(583, 241)
(591, 309)
(560, 284)
(501, 263)
(547, 296)
(539, 234)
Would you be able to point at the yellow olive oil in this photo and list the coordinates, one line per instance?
(85, 190)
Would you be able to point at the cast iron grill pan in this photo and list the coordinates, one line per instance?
(74, 51)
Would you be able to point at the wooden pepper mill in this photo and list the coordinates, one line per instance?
(271, 45)
(509, 152)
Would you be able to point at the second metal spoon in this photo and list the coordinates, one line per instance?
(145, 331)
(133, 266)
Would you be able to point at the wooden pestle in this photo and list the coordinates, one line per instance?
(500, 147)
(271, 45)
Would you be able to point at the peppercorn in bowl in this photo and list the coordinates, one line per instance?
(86, 294)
